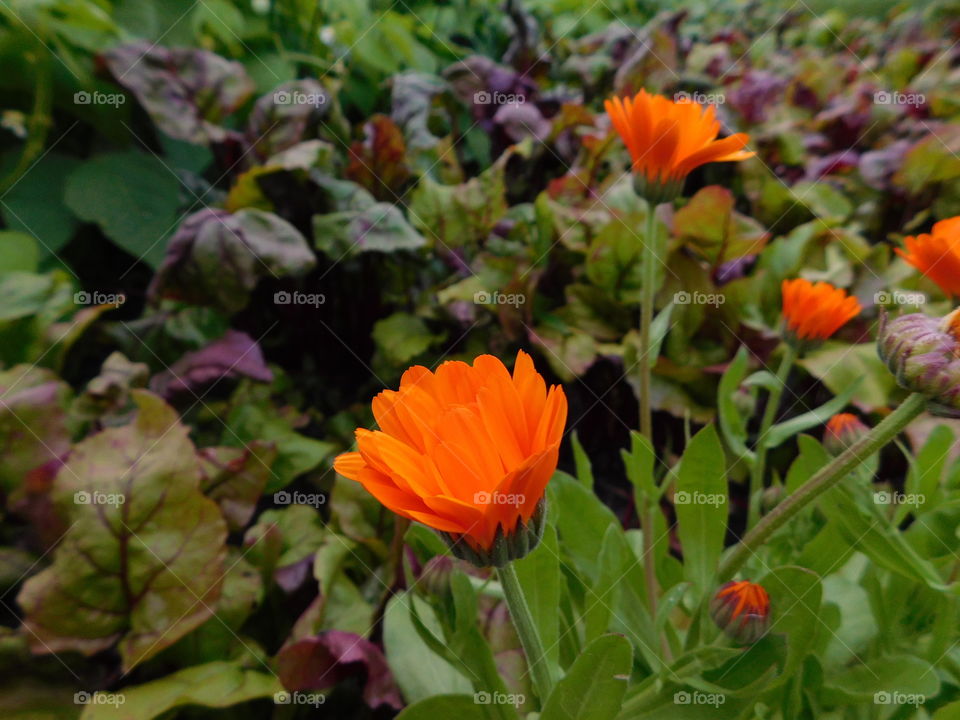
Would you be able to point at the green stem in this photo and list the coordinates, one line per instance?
(646, 320)
(769, 415)
(823, 480)
(540, 669)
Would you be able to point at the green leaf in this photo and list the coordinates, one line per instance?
(539, 576)
(839, 365)
(132, 196)
(701, 506)
(18, 252)
(142, 561)
(733, 426)
(594, 686)
(213, 685)
(402, 337)
(462, 707)
(888, 677)
(581, 461)
(581, 521)
(926, 470)
(781, 432)
(639, 463)
(35, 206)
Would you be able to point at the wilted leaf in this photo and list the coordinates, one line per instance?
(378, 162)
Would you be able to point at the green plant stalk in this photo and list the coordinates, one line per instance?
(769, 415)
(823, 480)
(646, 513)
(530, 639)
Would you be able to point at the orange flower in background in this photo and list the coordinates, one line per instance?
(815, 311)
(842, 431)
(667, 140)
(742, 610)
(937, 255)
(466, 450)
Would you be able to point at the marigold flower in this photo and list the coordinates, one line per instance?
(842, 431)
(937, 255)
(924, 355)
(468, 451)
(814, 311)
(742, 610)
(667, 140)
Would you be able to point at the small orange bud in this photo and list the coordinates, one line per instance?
(843, 430)
(742, 610)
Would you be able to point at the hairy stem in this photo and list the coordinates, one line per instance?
(527, 631)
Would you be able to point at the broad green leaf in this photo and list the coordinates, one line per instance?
(733, 425)
(461, 707)
(581, 461)
(839, 365)
(18, 252)
(212, 685)
(926, 471)
(132, 196)
(402, 337)
(581, 521)
(540, 580)
(35, 204)
(701, 505)
(141, 564)
(594, 686)
(883, 680)
(639, 462)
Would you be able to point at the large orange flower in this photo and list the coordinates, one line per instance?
(815, 311)
(668, 139)
(467, 450)
(937, 255)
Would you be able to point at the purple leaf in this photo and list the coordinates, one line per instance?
(236, 354)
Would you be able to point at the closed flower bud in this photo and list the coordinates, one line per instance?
(843, 430)
(742, 610)
(435, 577)
(924, 355)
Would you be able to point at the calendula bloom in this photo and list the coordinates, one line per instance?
(937, 255)
(667, 140)
(468, 451)
(842, 431)
(924, 355)
(814, 311)
(742, 610)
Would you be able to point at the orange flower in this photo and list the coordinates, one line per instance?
(667, 140)
(842, 431)
(815, 311)
(937, 255)
(467, 450)
(742, 610)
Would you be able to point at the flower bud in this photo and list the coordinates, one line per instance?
(435, 577)
(924, 355)
(843, 430)
(507, 545)
(742, 610)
